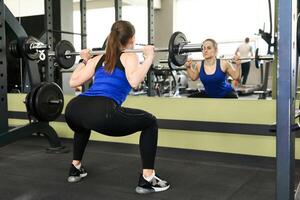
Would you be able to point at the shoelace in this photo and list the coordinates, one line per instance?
(158, 181)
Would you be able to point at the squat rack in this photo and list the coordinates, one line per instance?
(7, 134)
(286, 89)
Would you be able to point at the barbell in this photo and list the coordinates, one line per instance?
(257, 58)
(178, 47)
(65, 54)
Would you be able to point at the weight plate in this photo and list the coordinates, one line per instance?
(30, 97)
(13, 49)
(49, 102)
(61, 49)
(176, 41)
(30, 54)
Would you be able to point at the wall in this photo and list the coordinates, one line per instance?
(202, 110)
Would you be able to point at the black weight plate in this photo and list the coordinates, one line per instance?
(30, 99)
(46, 111)
(61, 49)
(13, 49)
(30, 54)
(175, 41)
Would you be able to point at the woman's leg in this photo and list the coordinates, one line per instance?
(73, 115)
(125, 121)
(232, 95)
(104, 116)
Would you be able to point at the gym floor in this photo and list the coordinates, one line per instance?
(27, 172)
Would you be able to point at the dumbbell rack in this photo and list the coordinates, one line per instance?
(8, 135)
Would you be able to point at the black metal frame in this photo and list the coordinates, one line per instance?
(83, 33)
(118, 10)
(286, 87)
(83, 23)
(8, 20)
(150, 6)
(15, 134)
(3, 72)
(49, 62)
(150, 74)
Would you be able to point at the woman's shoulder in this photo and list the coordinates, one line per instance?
(128, 55)
(128, 59)
(224, 64)
(223, 61)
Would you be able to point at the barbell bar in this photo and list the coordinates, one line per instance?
(95, 53)
(181, 50)
(65, 54)
(265, 57)
(178, 47)
(256, 58)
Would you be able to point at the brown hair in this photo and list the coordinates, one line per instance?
(247, 39)
(215, 44)
(120, 33)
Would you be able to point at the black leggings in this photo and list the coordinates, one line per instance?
(103, 115)
(201, 94)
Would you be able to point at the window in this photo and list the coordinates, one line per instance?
(230, 20)
(98, 22)
(137, 15)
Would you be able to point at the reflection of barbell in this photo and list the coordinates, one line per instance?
(257, 58)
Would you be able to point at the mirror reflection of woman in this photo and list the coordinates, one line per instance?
(214, 72)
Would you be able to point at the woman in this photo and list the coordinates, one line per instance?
(213, 72)
(99, 108)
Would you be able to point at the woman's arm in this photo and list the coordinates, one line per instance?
(192, 73)
(136, 72)
(234, 72)
(84, 72)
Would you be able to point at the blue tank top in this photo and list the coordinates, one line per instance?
(114, 86)
(216, 85)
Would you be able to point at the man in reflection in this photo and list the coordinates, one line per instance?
(245, 50)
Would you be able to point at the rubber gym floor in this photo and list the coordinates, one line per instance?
(28, 173)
